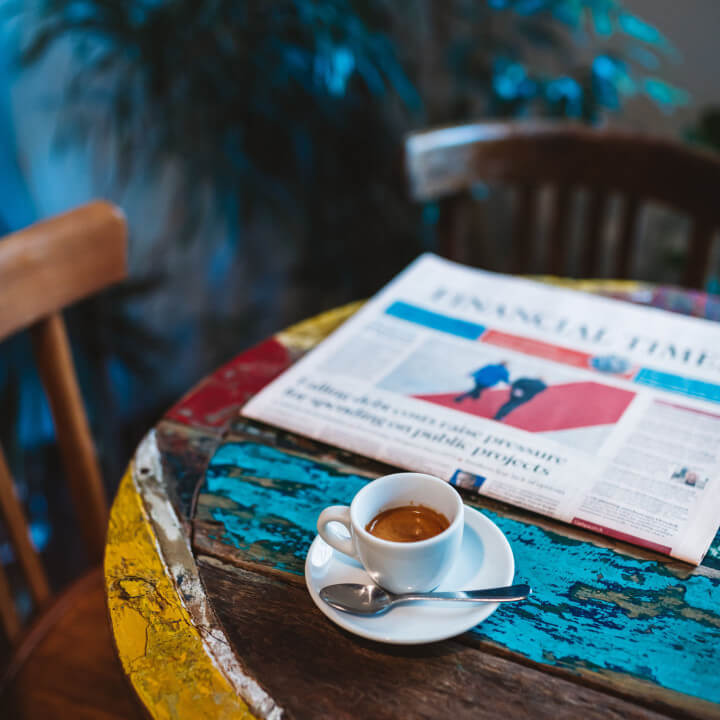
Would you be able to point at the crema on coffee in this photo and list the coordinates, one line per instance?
(408, 523)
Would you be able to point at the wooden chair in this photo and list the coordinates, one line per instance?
(43, 269)
(444, 163)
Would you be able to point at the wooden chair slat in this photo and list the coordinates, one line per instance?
(699, 247)
(9, 619)
(595, 223)
(626, 239)
(560, 228)
(16, 523)
(524, 221)
(445, 161)
(450, 224)
(57, 372)
(56, 262)
(44, 268)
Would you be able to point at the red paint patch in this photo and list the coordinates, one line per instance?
(664, 549)
(216, 400)
(560, 407)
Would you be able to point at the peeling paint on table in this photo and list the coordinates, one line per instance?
(646, 627)
(593, 608)
(161, 651)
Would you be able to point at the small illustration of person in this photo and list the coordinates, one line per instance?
(691, 478)
(522, 391)
(486, 377)
(679, 474)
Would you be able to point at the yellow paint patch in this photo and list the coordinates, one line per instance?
(593, 286)
(161, 651)
(308, 333)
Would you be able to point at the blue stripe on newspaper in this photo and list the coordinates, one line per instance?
(678, 384)
(436, 321)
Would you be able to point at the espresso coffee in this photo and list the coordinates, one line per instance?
(408, 523)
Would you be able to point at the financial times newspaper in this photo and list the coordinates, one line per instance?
(593, 411)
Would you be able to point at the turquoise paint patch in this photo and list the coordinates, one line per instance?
(281, 520)
(573, 620)
(593, 608)
(712, 558)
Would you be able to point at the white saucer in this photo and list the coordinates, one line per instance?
(485, 561)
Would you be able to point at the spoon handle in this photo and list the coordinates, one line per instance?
(508, 593)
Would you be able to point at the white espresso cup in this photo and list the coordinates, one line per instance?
(398, 566)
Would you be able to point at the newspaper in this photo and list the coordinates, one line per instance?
(593, 411)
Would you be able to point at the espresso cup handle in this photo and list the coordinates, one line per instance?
(341, 514)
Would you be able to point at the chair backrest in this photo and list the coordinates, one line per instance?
(44, 268)
(443, 163)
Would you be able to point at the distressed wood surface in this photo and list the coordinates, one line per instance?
(161, 649)
(320, 670)
(611, 627)
(627, 619)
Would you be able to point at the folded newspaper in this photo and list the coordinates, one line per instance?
(593, 411)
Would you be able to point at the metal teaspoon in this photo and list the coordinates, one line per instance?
(373, 600)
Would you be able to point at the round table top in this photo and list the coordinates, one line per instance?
(204, 578)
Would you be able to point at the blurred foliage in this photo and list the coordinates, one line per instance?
(296, 110)
(300, 105)
(561, 58)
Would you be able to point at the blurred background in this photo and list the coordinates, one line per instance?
(256, 148)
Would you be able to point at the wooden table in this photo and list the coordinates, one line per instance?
(204, 577)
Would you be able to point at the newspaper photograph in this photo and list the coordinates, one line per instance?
(593, 411)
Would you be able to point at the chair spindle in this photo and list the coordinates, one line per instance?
(9, 619)
(595, 224)
(14, 519)
(55, 365)
(564, 155)
(699, 247)
(626, 241)
(523, 223)
(560, 228)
